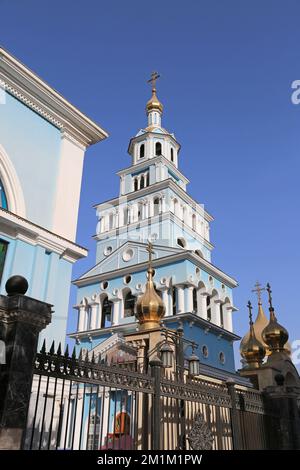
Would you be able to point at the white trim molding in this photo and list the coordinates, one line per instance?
(12, 185)
(26, 86)
(16, 227)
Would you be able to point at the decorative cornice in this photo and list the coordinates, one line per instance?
(168, 183)
(170, 259)
(33, 234)
(27, 87)
(151, 161)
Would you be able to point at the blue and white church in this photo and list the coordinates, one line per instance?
(43, 139)
(154, 205)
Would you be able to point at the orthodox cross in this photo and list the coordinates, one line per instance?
(270, 296)
(151, 252)
(258, 289)
(154, 77)
(249, 305)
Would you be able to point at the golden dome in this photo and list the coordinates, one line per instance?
(154, 104)
(252, 350)
(260, 323)
(149, 307)
(274, 334)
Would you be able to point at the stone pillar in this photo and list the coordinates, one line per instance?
(202, 308)
(282, 401)
(180, 297)
(81, 318)
(21, 320)
(227, 311)
(93, 320)
(189, 305)
(116, 312)
(165, 298)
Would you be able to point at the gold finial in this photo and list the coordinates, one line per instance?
(274, 334)
(149, 308)
(154, 104)
(252, 350)
(258, 290)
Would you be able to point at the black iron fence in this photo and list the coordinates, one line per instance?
(81, 403)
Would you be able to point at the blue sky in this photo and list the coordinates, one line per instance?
(227, 68)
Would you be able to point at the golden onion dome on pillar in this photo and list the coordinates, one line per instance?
(260, 323)
(274, 334)
(149, 307)
(154, 104)
(253, 351)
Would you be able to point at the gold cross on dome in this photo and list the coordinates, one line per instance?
(258, 289)
(152, 80)
(151, 252)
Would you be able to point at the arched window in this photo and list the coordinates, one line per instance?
(208, 308)
(221, 316)
(156, 206)
(142, 183)
(142, 151)
(195, 301)
(136, 184)
(126, 215)
(174, 301)
(158, 148)
(140, 211)
(129, 303)
(106, 317)
(172, 155)
(3, 198)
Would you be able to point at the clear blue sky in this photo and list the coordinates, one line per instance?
(227, 68)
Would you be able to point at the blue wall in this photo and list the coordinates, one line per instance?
(33, 145)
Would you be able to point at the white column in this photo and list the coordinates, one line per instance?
(180, 297)
(93, 322)
(122, 186)
(99, 317)
(189, 304)
(81, 318)
(202, 308)
(165, 298)
(116, 312)
(163, 203)
(216, 311)
(227, 312)
(151, 208)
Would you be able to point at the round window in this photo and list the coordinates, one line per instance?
(127, 279)
(128, 254)
(181, 242)
(205, 351)
(222, 358)
(104, 285)
(198, 272)
(108, 250)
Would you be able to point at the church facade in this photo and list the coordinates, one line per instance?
(43, 139)
(154, 205)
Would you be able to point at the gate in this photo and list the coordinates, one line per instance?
(78, 403)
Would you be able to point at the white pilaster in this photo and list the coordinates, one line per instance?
(82, 318)
(116, 314)
(189, 298)
(94, 311)
(180, 297)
